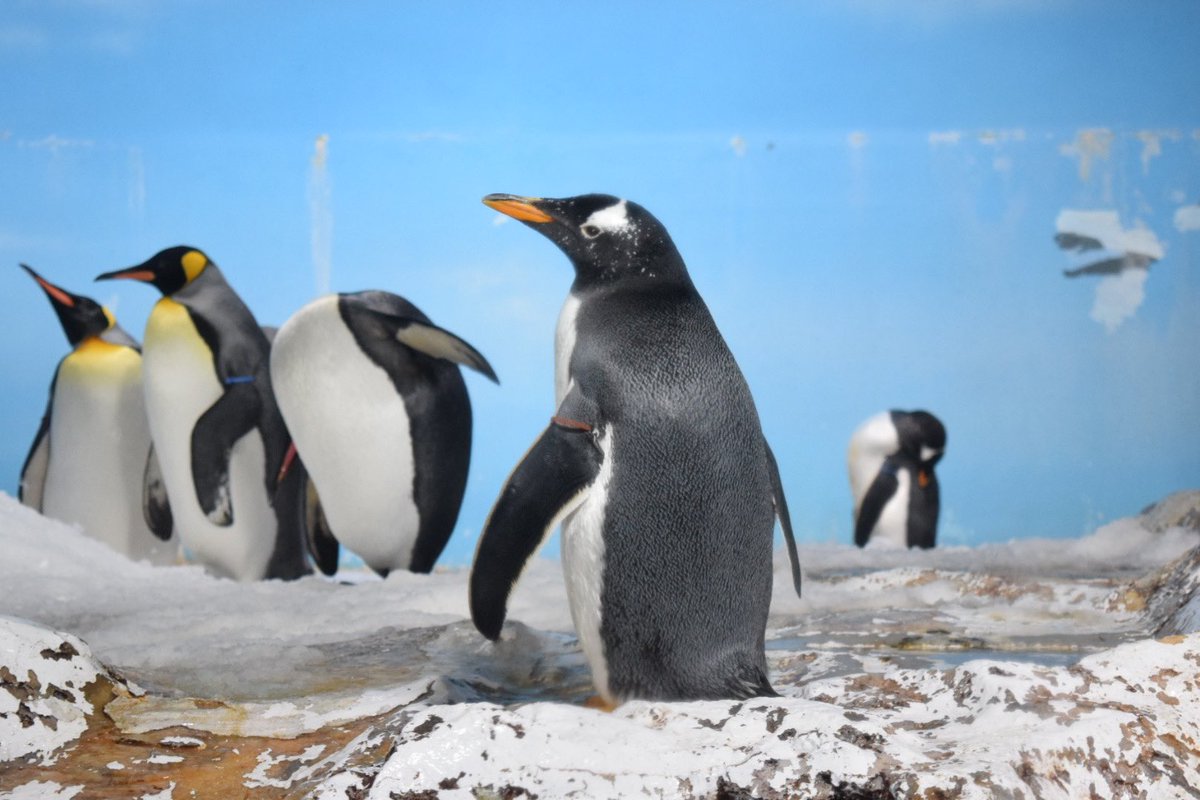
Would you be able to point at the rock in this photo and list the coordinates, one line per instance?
(1173, 607)
(49, 685)
(1179, 510)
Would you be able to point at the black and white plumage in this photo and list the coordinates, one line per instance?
(373, 397)
(216, 428)
(890, 462)
(654, 462)
(91, 462)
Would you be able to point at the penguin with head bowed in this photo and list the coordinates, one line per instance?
(655, 464)
(372, 394)
(890, 461)
(220, 439)
(91, 462)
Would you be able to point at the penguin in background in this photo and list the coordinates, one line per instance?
(220, 439)
(890, 462)
(92, 462)
(370, 389)
(654, 462)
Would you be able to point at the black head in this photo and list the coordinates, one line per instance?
(607, 239)
(922, 435)
(80, 316)
(169, 270)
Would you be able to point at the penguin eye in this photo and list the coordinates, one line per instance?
(590, 231)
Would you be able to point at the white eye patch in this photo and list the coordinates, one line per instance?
(614, 219)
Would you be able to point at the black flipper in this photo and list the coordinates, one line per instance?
(322, 544)
(33, 472)
(234, 415)
(785, 519)
(434, 341)
(882, 489)
(156, 508)
(551, 479)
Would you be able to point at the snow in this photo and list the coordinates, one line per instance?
(1022, 665)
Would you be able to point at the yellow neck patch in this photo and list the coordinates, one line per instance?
(108, 315)
(194, 263)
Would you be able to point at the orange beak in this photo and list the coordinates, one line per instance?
(521, 208)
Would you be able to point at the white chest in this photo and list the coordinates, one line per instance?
(564, 346)
(181, 384)
(583, 565)
(352, 431)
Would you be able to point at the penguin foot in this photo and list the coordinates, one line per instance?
(600, 704)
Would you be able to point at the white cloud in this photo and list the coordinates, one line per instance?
(1106, 228)
(857, 139)
(1187, 218)
(945, 138)
(1121, 256)
(56, 144)
(739, 146)
(1118, 297)
(320, 206)
(1152, 145)
(1090, 145)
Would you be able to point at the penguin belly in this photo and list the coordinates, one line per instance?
(584, 563)
(870, 446)
(181, 384)
(352, 431)
(99, 440)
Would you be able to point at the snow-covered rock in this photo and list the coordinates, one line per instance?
(49, 686)
(1051, 668)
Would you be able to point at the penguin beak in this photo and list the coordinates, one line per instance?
(923, 478)
(521, 208)
(57, 295)
(138, 273)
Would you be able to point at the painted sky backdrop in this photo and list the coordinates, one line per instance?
(867, 195)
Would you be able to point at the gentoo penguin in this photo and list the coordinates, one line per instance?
(891, 460)
(219, 436)
(371, 393)
(654, 462)
(91, 462)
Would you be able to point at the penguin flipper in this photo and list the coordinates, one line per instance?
(33, 472)
(232, 416)
(785, 519)
(881, 491)
(156, 507)
(437, 342)
(549, 483)
(323, 545)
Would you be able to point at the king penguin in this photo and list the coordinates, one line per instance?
(217, 430)
(91, 462)
(373, 397)
(655, 463)
(890, 461)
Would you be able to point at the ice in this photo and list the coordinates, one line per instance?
(902, 669)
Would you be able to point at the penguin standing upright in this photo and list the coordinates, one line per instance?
(219, 436)
(656, 464)
(91, 462)
(890, 461)
(371, 393)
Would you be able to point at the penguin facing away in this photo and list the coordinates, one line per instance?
(890, 462)
(218, 433)
(372, 395)
(91, 462)
(655, 464)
